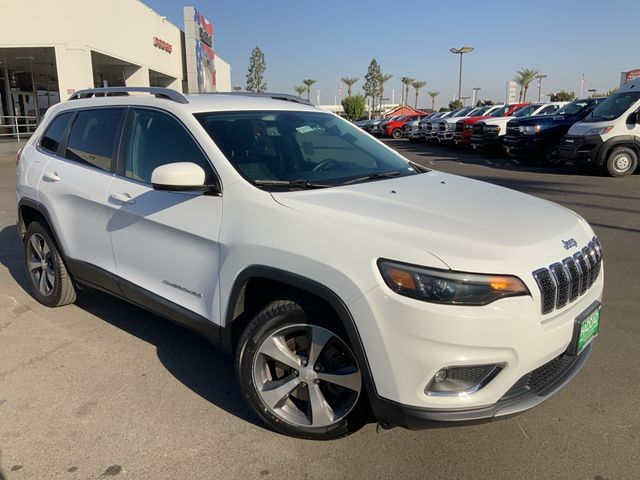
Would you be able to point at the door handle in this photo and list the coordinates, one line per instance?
(51, 177)
(123, 198)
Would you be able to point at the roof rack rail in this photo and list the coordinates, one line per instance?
(158, 92)
(275, 96)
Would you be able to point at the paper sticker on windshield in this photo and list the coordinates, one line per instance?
(305, 129)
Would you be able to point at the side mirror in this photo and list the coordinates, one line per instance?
(180, 177)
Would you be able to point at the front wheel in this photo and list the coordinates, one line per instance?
(621, 161)
(299, 374)
(397, 133)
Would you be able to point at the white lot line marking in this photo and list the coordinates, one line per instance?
(523, 431)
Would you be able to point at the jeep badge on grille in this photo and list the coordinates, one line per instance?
(568, 244)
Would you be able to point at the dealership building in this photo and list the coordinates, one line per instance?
(49, 50)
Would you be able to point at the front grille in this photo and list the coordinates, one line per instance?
(563, 282)
(442, 126)
(542, 377)
(459, 126)
(513, 129)
(571, 143)
(478, 128)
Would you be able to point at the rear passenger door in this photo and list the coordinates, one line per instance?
(73, 188)
(165, 243)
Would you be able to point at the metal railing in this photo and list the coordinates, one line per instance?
(17, 126)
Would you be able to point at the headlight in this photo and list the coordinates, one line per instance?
(530, 130)
(447, 286)
(451, 126)
(468, 126)
(493, 128)
(599, 130)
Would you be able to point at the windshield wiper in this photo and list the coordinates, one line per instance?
(298, 183)
(374, 176)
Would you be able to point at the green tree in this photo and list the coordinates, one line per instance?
(455, 104)
(300, 89)
(308, 82)
(372, 83)
(563, 96)
(417, 85)
(384, 78)
(354, 106)
(349, 82)
(406, 81)
(444, 109)
(255, 75)
(524, 78)
(433, 94)
(609, 92)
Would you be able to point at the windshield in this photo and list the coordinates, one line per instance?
(526, 111)
(299, 145)
(461, 113)
(478, 112)
(573, 107)
(500, 112)
(614, 106)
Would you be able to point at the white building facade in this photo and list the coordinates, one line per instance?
(49, 50)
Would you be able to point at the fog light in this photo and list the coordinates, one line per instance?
(460, 381)
(440, 376)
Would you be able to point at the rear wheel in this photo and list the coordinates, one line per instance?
(50, 281)
(621, 161)
(397, 133)
(298, 372)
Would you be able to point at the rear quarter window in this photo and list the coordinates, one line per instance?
(53, 135)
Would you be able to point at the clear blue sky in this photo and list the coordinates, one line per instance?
(327, 40)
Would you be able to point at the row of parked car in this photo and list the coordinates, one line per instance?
(590, 132)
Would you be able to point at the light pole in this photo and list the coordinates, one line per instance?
(474, 98)
(540, 77)
(460, 51)
(318, 97)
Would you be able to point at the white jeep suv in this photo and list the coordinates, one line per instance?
(348, 282)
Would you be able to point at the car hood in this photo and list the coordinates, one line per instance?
(497, 120)
(548, 119)
(467, 224)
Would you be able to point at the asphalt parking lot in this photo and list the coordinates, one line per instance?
(103, 389)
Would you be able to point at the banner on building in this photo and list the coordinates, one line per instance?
(200, 56)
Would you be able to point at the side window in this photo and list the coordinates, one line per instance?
(53, 136)
(548, 110)
(93, 136)
(155, 139)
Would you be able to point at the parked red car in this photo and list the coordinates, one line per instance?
(464, 127)
(393, 128)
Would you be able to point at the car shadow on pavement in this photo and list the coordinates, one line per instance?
(191, 359)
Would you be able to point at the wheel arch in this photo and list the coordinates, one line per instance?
(628, 141)
(245, 300)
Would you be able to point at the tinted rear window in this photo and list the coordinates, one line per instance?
(53, 136)
(92, 137)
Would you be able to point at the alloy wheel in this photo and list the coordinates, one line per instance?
(306, 375)
(40, 264)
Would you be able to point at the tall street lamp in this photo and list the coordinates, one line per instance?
(460, 51)
(540, 77)
(474, 98)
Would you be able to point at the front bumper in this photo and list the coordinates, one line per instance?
(462, 138)
(407, 341)
(579, 149)
(521, 399)
(486, 142)
(446, 135)
(523, 145)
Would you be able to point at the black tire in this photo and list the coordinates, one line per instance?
(397, 133)
(275, 317)
(622, 161)
(60, 290)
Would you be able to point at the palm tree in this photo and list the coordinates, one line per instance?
(308, 82)
(349, 81)
(523, 78)
(406, 81)
(418, 84)
(384, 77)
(300, 89)
(433, 94)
